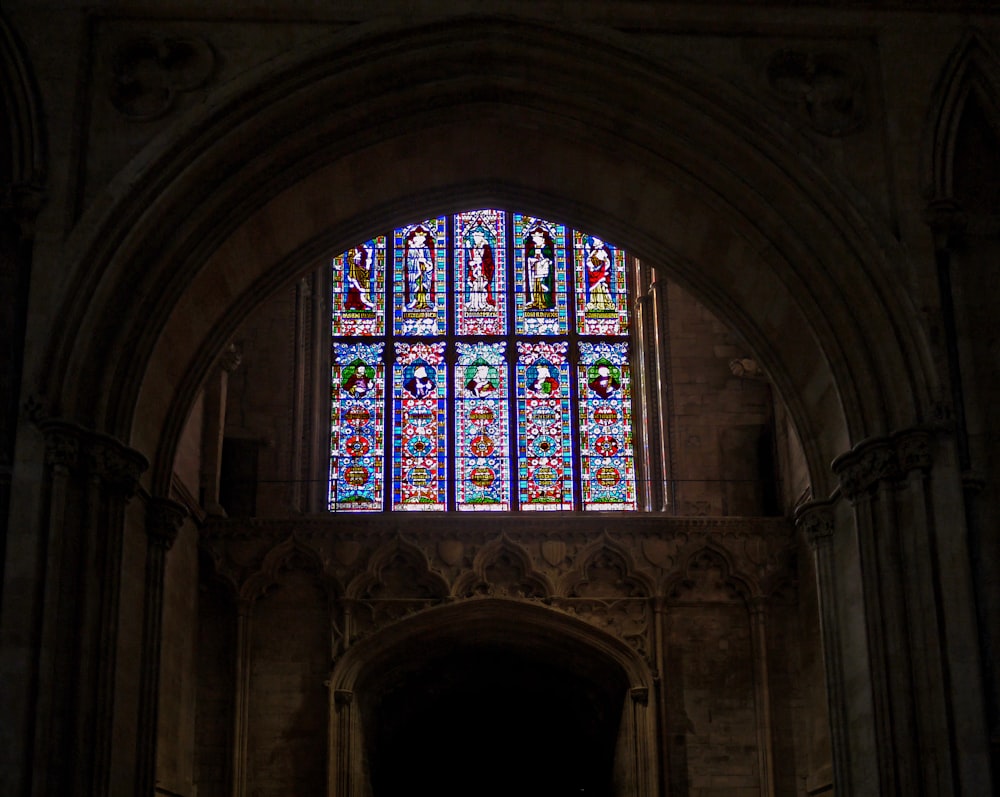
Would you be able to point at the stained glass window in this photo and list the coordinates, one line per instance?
(605, 398)
(601, 298)
(356, 428)
(482, 479)
(544, 424)
(487, 389)
(419, 439)
(541, 285)
(480, 273)
(419, 296)
(358, 302)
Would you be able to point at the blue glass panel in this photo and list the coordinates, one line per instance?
(482, 469)
(607, 467)
(544, 442)
(356, 429)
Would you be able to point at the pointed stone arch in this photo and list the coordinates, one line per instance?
(289, 554)
(696, 574)
(800, 273)
(398, 569)
(533, 630)
(971, 72)
(503, 568)
(610, 568)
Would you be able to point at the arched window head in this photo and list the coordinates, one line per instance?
(480, 361)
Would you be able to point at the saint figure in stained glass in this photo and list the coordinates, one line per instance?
(539, 263)
(604, 378)
(419, 256)
(358, 379)
(600, 272)
(359, 278)
(480, 268)
(419, 380)
(541, 381)
(480, 379)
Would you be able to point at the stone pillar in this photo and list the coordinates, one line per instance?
(660, 392)
(762, 696)
(926, 689)
(817, 522)
(213, 429)
(163, 521)
(241, 701)
(346, 778)
(67, 629)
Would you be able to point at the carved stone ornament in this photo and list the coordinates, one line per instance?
(827, 90)
(62, 444)
(883, 459)
(69, 447)
(231, 358)
(163, 520)
(816, 522)
(116, 465)
(151, 71)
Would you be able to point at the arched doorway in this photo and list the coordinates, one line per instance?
(492, 697)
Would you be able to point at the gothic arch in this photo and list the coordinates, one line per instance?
(800, 272)
(970, 72)
(23, 130)
(515, 625)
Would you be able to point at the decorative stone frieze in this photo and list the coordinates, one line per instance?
(381, 570)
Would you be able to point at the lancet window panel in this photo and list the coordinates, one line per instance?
(464, 376)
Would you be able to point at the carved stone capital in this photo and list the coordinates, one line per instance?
(883, 459)
(913, 450)
(163, 520)
(816, 521)
(343, 697)
(863, 468)
(640, 695)
(947, 220)
(231, 358)
(63, 442)
(116, 465)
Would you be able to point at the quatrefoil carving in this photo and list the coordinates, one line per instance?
(151, 71)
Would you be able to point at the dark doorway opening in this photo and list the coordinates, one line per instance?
(491, 721)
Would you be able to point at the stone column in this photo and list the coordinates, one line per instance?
(818, 523)
(926, 688)
(661, 391)
(64, 713)
(346, 769)
(213, 429)
(241, 701)
(163, 521)
(762, 696)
